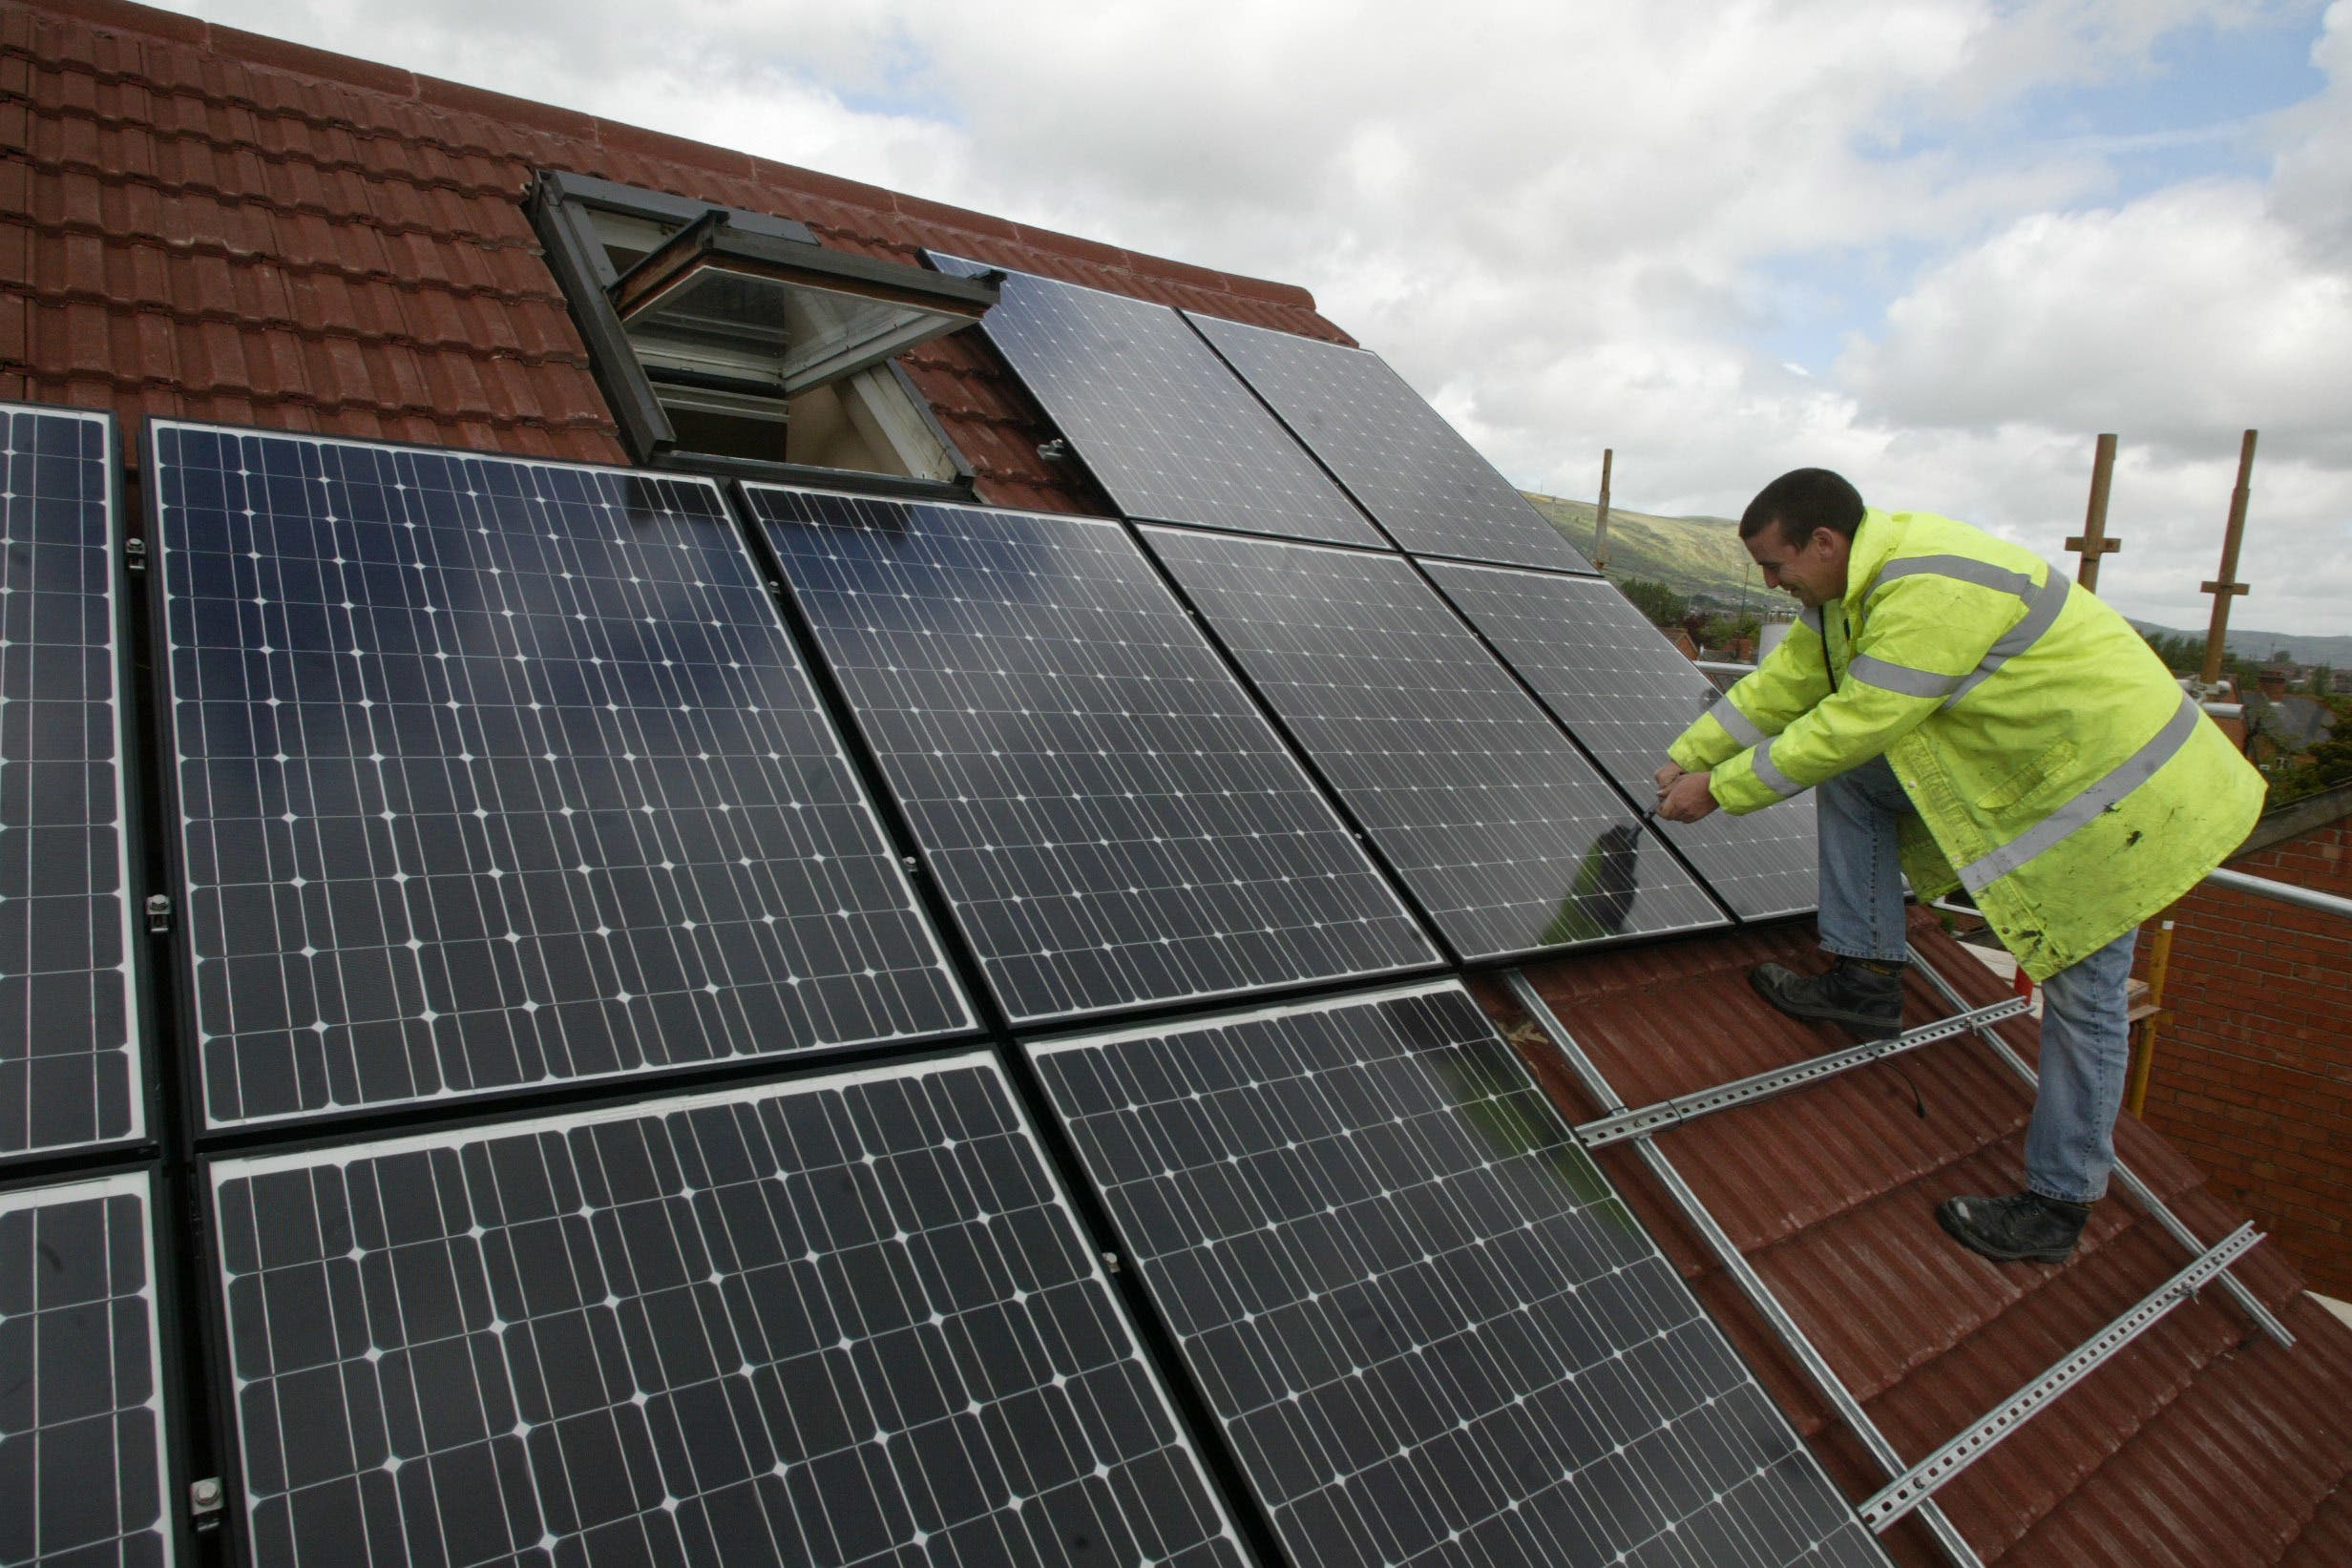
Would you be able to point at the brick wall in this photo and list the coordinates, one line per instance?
(2253, 1075)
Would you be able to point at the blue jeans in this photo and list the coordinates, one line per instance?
(2085, 1035)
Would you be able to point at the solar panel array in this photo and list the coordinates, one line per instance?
(1113, 820)
(1156, 416)
(495, 773)
(83, 1468)
(490, 776)
(1431, 1331)
(70, 1072)
(1627, 693)
(844, 1320)
(1425, 485)
(1500, 829)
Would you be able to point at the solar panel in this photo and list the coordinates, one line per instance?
(1626, 693)
(1431, 1332)
(848, 1319)
(71, 1073)
(497, 773)
(82, 1418)
(1507, 835)
(1397, 455)
(1112, 819)
(1159, 419)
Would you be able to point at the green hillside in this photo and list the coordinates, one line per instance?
(1693, 555)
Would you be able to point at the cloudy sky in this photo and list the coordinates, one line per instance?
(1938, 244)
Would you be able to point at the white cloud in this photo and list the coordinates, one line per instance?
(1573, 226)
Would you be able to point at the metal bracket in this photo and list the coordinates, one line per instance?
(1912, 1488)
(206, 1497)
(135, 555)
(159, 914)
(1666, 1113)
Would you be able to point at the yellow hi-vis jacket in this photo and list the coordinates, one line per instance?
(2060, 773)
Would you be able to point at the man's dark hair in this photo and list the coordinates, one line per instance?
(1801, 501)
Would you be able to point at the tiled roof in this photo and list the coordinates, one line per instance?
(204, 223)
(2202, 1443)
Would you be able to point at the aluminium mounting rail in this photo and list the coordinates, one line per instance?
(1817, 1370)
(1619, 1125)
(1915, 1485)
(2124, 1177)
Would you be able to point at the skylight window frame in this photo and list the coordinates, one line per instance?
(563, 209)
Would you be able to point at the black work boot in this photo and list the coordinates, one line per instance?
(1863, 993)
(2023, 1226)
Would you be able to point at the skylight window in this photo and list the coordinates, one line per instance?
(731, 340)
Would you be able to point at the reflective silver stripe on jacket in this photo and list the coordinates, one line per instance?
(1741, 727)
(1774, 780)
(2041, 615)
(1812, 618)
(1900, 677)
(1983, 574)
(2095, 798)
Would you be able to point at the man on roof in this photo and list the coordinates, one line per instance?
(1968, 718)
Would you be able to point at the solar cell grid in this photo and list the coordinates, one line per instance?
(1427, 487)
(82, 1419)
(1505, 833)
(69, 1067)
(1161, 421)
(847, 1320)
(497, 773)
(1112, 819)
(1626, 693)
(1431, 1331)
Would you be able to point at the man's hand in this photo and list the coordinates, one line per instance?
(1687, 799)
(1665, 779)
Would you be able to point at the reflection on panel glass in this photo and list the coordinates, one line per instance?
(69, 1071)
(1505, 833)
(1626, 693)
(498, 773)
(1167, 428)
(1411, 470)
(82, 1420)
(848, 1320)
(1431, 1332)
(1113, 820)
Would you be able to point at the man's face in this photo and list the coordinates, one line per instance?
(1815, 571)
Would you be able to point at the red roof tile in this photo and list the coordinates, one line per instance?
(1830, 1194)
(206, 222)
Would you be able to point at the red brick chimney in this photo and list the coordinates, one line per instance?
(2274, 683)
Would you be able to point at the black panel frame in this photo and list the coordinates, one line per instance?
(123, 563)
(1033, 1046)
(179, 1415)
(383, 1119)
(1252, 1533)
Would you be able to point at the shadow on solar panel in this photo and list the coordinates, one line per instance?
(496, 774)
